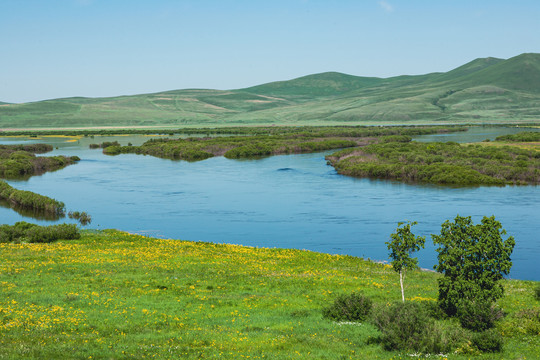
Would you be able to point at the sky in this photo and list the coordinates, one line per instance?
(98, 48)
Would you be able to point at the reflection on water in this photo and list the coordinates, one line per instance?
(294, 201)
(30, 213)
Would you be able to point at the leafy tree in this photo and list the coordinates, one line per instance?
(472, 258)
(403, 243)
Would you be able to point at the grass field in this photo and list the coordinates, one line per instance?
(483, 91)
(114, 295)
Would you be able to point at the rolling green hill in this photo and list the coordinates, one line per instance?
(486, 90)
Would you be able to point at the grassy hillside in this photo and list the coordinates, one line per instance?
(486, 90)
(113, 295)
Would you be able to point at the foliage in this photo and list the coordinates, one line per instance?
(403, 244)
(473, 260)
(83, 218)
(478, 315)
(441, 163)
(26, 232)
(351, 307)
(29, 200)
(525, 136)
(20, 161)
(537, 292)
(407, 326)
(267, 141)
(338, 131)
(104, 144)
(488, 341)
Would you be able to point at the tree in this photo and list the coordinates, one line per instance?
(403, 244)
(472, 258)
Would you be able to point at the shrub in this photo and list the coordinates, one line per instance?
(29, 200)
(23, 231)
(434, 310)
(83, 218)
(537, 292)
(488, 341)
(352, 307)
(478, 315)
(407, 326)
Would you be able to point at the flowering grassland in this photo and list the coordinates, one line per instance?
(116, 295)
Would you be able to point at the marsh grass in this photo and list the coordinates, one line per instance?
(441, 163)
(122, 296)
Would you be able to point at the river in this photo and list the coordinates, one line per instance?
(288, 201)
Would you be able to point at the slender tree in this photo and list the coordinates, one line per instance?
(403, 244)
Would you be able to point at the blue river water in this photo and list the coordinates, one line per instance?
(289, 201)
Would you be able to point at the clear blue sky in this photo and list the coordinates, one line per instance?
(61, 48)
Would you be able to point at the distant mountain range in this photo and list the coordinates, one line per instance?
(486, 90)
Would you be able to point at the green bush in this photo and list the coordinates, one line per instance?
(83, 218)
(434, 310)
(29, 200)
(537, 292)
(488, 341)
(478, 315)
(408, 326)
(526, 136)
(351, 307)
(23, 231)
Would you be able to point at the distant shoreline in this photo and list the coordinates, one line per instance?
(231, 125)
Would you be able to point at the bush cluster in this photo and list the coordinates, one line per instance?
(262, 130)
(442, 163)
(26, 232)
(29, 200)
(268, 141)
(525, 136)
(351, 307)
(478, 315)
(408, 326)
(18, 161)
(104, 145)
(488, 341)
(419, 326)
(82, 217)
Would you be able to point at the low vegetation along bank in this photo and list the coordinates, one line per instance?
(268, 141)
(20, 161)
(441, 163)
(240, 130)
(27, 200)
(112, 294)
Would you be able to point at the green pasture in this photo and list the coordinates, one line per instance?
(114, 295)
(483, 91)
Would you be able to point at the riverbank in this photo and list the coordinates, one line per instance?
(450, 164)
(112, 294)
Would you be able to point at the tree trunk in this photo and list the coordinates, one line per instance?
(401, 283)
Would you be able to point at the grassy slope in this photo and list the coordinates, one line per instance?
(116, 295)
(484, 90)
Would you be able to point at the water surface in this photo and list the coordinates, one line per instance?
(289, 201)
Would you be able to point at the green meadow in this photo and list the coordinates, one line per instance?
(115, 295)
(485, 90)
